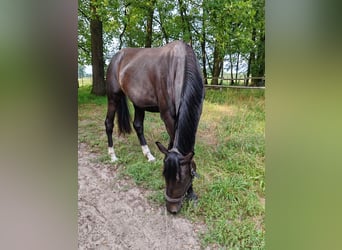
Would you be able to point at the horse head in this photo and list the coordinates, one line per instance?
(179, 171)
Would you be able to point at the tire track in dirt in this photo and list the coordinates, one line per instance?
(114, 214)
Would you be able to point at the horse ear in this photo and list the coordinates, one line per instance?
(187, 158)
(162, 148)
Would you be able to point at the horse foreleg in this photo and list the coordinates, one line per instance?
(146, 151)
(109, 124)
(138, 125)
(170, 127)
(191, 195)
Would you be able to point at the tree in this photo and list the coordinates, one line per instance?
(217, 28)
(84, 40)
(90, 42)
(203, 39)
(217, 65)
(97, 60)
(256, 62)
(223, 33)
(186, 26)
(149, 23)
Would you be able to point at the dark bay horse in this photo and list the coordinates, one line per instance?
(166, 80)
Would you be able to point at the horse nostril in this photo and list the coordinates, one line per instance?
(173, 212)
(173, 208)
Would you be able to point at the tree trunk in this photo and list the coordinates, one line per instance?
(217, 65)
(161, 21)
(231, 70)
(124, 28)
(221, 68)
(204, 60)
(258, 64)
(237, 67)
(185, 21)
(96, 30)
(251, 60)
(149, 23)
(248, 68)
(261, 60)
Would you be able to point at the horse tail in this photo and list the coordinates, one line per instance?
(124, 118)
(117, 97)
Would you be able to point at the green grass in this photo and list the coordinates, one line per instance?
(230, 157)
(84, 97)
(82, 82)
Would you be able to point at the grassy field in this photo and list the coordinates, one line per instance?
(230, 157)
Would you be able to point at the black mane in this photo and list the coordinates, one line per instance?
(171, 166)
(190, 106)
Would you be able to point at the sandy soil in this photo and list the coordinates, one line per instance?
(113, 213)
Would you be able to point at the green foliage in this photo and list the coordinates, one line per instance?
(230, 157)
(225, 24)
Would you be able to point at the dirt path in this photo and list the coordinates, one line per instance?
(114, 214)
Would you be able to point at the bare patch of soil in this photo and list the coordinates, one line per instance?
(113, 213)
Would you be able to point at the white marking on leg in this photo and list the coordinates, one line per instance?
(112, 155)
(146, 151)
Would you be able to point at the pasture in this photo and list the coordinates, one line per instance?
(230, 158)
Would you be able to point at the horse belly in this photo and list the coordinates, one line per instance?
(142, 96)
(152, 109)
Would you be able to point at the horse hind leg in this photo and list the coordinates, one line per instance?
(138, 125)
(109, 124)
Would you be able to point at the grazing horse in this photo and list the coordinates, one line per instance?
(167, 80)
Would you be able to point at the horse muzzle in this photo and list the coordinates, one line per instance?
(173, 205)
(173, 208)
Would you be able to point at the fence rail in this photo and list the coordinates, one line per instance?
(241, 78)
(238, 80)
(209, 86)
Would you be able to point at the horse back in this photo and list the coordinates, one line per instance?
(152, 77)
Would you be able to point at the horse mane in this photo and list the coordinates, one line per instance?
(190, 107)
(171, 167)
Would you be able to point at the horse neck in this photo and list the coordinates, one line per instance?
(189, 97)
(185, 133)
(188, 117)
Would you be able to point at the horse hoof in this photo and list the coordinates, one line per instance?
(114, 159)
(192, 196)
(151, 158)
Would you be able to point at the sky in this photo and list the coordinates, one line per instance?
(88, 69)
